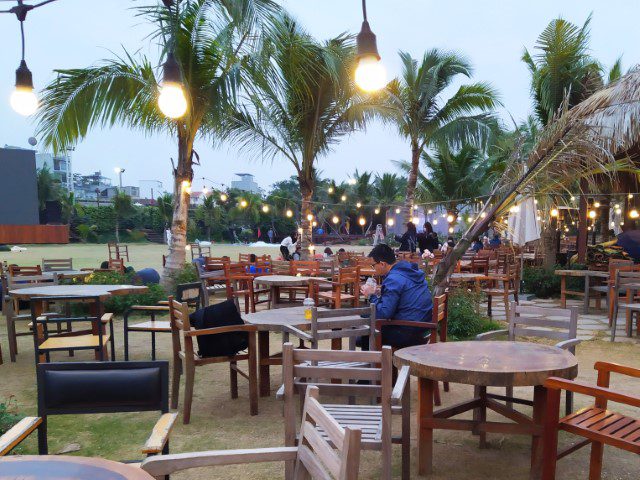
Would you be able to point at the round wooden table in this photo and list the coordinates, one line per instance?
(102, 291)
(50, 467)
(276, 282)
(484, 364)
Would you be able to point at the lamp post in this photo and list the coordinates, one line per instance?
(119, 171)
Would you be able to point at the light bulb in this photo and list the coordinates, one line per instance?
(450, 229)
(415, 220)
(397, 210)
(630, 196)
(450, 218)
(223, 197)
(243, 203)
(572, 198)
(289, 213)
(24, 101)
(483, 215)
(596, 205)
(618, 211)
(335, 219)
(370, 74)
(429, 212)
(314, 224)
(634, 213)
(554, 212)
(343, 198)
(362, 221)
(265, 208)
(592, 214)
(415, 207)
(435, 221)
(205, 191)
(377, 211)
(172, 100)
(358, 205)
(310, 217)
(330, 190)
(616, 206)
(390, 222)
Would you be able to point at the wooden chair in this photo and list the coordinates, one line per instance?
(239, 284)
(336, 454)
(12, 306)
(303, 268)
(90, 388)
(24, 271)
(186, 359)
(212, 277)
(344, 289)
(117, 265)
(199, 251)
(190, 293)
(118, 251)
(92, 337)
(608, 287)
(598, 425)
(56, 264)
(503, 285)
(626, 286)
(523, 321)
(303, 368)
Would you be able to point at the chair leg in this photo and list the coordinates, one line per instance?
(188, 393)
(568, 408)
(550, 435)
(233, 379)
(113, 342)
(175, 384)
(595, 461)
(406, 434)
(13, 343)
(509, 394)
(153, 345)
(253, 377)
(436, 394)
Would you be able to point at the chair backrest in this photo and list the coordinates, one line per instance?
(306, 268)
(316, 457)
(118, 251)
(439, 311)
(31, 281)
(191, 293)
(198, 250)
(343, 323)
(349, 276)
(615, 264)
(480, 265)
(116, 264)
(281, 267)
(56, 264)
(92, 315)
(215, 263)
(303, 368)
(626, 275)
(244, 257)
(554, 323)
(17, 270)
(179, 317)
(327, 267)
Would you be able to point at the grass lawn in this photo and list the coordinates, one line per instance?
(218, 422)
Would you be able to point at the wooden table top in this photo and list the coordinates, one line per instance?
(489, 363)
(102, 291)
(286, 280)
(274, 320)
(583, 273)
(57, 467)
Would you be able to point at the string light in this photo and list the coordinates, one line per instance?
(450, 229)
(310, 217)
(535, 201)
(596, 205)
(289, 213)
(312, 248)
(634, 213)
(630, 196)
(362, 222)
(377, 211)
(358, 205)
(243, 203)
(335, 219)
(573, 198)
(435, 221)
(592, 214)
(483, 215)
(415, 220)
(314, 224)
(554, 212)
(415, 207)
(343, 198)
(397, 210)
(300, 231)
(429, 212)
(616, 206)
(186, 186)
(450, 218)
(223, 197)
(618, 211)
(205, 191)
(265, 208)
(330, 190)
(390, 222)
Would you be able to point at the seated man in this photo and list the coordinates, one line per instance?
(404, 295)
(629, 240)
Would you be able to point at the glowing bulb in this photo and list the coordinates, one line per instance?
(469, 219)
(289, 213)
(634, 213)
(312, 247)
(300, 231)
(243, 203)
(573, 198)
(377, 211)
(613, 224)
(330, 190)
(483, 215)
(630, 195)
(390, 222)
(592, 214)
(172, 101)
(397, 210)
(223, 197)
(514, 209)
(618, 211)
(314, 224)
(450, 229)
(415, 207)
(450, 218)
(535, 201)
(358, 205)
(435, 221)
(362, 222)
(616, 206)
(310, 217)
(205, 191)
(24, 101)
(429, 212)
(265, 208)
(596, 205)
(343, 198)
(370, 74)
(459, 219)
(415, 220)
(554, 212)
(335, 219)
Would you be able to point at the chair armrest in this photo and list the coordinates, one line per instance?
(107, 317)
(297, 332)
(163, 302)
(161, 307)
(567, 344)
(160, 434)
(160, 465)
(406, 323)
(217, 330)
(617, 368)
(491, 334)
(400, 386)
(591, 390)
(17, 433)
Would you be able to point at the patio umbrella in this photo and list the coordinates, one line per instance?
(523, 223)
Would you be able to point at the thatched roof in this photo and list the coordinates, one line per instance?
(614, 113)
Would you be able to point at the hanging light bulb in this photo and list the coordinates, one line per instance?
(554, 212)
(573, 198)
(450, 218)
(616, 206)
(300, 231)
(390, 222)
(415, 207)
(634, 213)
(289, 213)
(243, 203)
(630, 196)
(172, 100)
(358, 205)
(23, 99)
(370, 72)
(435, 221)
(310, 217)
(265, 208)
(618, 211)
(223, 197)
(312, 248)
(397, 210)
(335, 219)
(314, 224)
(535, 201)
(592, 214)
(376, 211)
(483, 215)
(343, 198)
(205, 191)
(596, 205)
(330, 190)
(450, 229)
(351, 181)
(429, 212)
(362, 222)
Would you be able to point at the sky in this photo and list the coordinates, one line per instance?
(490, 33)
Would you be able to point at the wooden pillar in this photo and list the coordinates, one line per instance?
(582, 226)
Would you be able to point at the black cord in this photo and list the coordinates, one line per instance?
(22, 38)
(364, 9)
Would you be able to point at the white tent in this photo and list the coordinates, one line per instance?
(523, 222)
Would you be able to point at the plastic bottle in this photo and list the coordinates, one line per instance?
(308, 305)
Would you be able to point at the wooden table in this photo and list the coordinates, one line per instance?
(276, 282)
(56, 467)
(484, 364)
(273, 321)
(586, 274)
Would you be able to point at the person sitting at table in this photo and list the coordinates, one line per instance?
(629, 240)
(477, 245)
(495, 242)
(404, 295)
(288, 246)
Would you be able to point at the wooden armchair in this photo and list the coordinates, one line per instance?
(90, 388)
(240, 284)
(344, 289)
(598, 425)
(319, 457)
(304, 368)
(523, 321)
(186, 358)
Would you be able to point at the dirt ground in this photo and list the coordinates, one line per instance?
(218, 422)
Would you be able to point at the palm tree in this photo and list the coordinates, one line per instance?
(209, 213)
(210, 39)
(69, 206)
(123, 208)
(164, 204)
(387, 190)
(304, 100)
(423, 115)
(48, 187)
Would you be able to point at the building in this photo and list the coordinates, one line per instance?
(90, 187)
(110, 192)
(246, 183)
(151, 189)
(59, 166)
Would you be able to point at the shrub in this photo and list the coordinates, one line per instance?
(187, 274)
(87, 233)
(541, 282)
(119, 303)
(9, 415)
(464, 322)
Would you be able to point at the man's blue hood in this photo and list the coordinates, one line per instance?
(410, 271)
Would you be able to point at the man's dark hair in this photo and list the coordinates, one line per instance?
(383, 253)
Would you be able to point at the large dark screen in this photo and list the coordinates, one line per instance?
(18, 188)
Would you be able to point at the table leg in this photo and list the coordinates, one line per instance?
(586, 293)
(425, 434)
(563, 291)
(539, 404)
(275, 296)
(263, 363)
(482, 415)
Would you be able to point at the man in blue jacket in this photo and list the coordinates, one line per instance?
(404, 295)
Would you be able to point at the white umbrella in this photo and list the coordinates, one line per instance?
(523, 222)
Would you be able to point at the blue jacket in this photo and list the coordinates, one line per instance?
(405, 295)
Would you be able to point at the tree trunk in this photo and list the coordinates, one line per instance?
(549, 245)
(182, 173)
(306, 237)
(412, 181)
